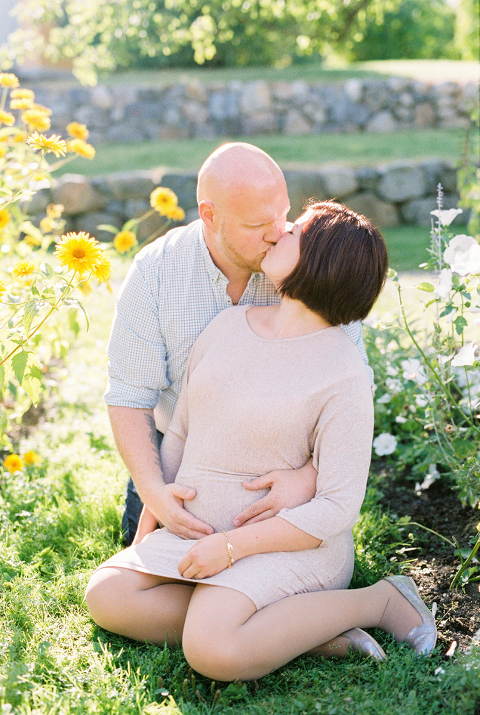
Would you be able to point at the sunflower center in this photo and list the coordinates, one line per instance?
(78, 253)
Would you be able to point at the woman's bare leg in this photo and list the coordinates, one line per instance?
(225, 637)
(138, 605)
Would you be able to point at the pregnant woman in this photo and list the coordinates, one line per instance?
(268, 388)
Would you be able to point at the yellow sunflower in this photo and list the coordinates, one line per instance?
(102, 270)
(80, 147)
(124, 241)
(3, 288)
(23, 269)
(14, 463)
(7, 118)
(8, 80)
(22, 103)
(54, 144)
(32, 240)
(46, 224)
(176, 214)
(77, 130)
(41, 108)
(31, 457)
(5, 217)
(36, 120)
(22, 94)
(78, 251)
(55, 210)
(163, 200)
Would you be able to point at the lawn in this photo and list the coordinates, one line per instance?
(328, 71)
(309, 150)
(62, 518)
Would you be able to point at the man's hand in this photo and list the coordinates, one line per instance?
(169, 511)
(206, 558)
(288, 488)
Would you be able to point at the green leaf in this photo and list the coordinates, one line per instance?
(19, 363)
(3, 421)
(460, 323)
(31, 385)
(428, 287)
(31, 310)
(130, 225)
(463, 448)
(108, 227)
(47, 270)
(73, 322)
(29, 228)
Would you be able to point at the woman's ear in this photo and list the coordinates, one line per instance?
(207, 213)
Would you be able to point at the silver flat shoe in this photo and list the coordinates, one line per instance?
(364, 643)
(421, 638)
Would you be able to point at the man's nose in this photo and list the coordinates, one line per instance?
(277, 229)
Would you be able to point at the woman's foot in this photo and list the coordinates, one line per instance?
(354, 639)
(406, 616)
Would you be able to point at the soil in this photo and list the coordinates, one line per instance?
(435, 563)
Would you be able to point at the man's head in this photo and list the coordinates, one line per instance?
(243, 203)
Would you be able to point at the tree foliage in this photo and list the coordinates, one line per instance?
(101, 36)
(416, 29)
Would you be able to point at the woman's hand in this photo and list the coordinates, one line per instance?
(206, 558)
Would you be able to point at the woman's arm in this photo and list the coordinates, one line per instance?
(210, 555)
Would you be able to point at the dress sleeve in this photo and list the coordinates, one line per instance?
(342, 448)
(354, 332)
(137, 368)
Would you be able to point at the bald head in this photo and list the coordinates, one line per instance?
(235, 168)
(243, 204)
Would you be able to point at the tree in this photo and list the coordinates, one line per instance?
(100, 36)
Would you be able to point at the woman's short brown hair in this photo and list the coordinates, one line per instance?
(342, 266)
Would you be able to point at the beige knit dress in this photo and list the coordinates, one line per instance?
(250, 405)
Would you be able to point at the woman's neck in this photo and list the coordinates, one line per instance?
(289, 319)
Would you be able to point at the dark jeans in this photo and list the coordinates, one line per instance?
(133, 508)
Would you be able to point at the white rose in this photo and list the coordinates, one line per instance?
(444, 284)
(413, 370)
(384, 444)
(465, 356)
(463, 255)
(446, 216)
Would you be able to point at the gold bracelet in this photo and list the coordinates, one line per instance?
(229, 550)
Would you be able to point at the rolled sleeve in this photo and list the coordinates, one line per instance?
(137, 368)
(341, 454)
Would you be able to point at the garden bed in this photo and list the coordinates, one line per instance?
(434, 563)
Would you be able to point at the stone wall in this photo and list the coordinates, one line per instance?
(388, 194)
(135, 113)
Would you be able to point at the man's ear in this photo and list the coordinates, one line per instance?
(206, 210)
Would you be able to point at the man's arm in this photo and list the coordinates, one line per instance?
(288, 489)
(136, 438)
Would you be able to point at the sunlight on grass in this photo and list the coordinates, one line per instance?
(333, 71)
(310, 150)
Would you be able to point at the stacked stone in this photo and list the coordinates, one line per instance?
(388, 194)
(196, 110)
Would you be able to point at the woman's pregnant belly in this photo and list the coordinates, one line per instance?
(220, 496)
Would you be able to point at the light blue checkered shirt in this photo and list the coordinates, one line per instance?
(172, 291)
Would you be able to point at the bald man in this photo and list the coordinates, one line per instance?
(174, 288)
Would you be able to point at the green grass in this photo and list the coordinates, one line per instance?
(63, 518)
(288, 151)
(407, 246)
(333, 71)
